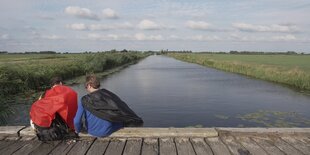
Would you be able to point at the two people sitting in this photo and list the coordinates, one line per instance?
(58, 114)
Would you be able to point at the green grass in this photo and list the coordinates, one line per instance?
(288, 61)
(24, 73)
(21, 72)
(291, 70)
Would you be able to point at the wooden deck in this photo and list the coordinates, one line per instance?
(170, 141)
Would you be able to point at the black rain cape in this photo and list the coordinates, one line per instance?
(108, 106)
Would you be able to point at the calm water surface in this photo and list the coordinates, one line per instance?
(170, 93)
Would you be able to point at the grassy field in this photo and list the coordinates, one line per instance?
(291, 70)
(25, 74)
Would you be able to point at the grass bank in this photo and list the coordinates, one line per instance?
(291, 70)
(26, 74)
(19, 73)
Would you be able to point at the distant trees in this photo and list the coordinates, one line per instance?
(258, 53)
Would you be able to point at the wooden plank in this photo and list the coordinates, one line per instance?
(3, 136)
(115, 147)
(28, 147)
(302, 147)
(81, 146)
(63, 148)
(167, 146)
(7, 142)
(251, 146)
(98, 147)
(234, 147)
(133, 146)
(164, 132)
(273, 131)
(10, 130)
(285, 147)
(45, 148)
(16, 145)
(267, 145)
(200, 146)
(217, 146)
(150, 146)
(184, 146)
(28, 131)
(305, 140)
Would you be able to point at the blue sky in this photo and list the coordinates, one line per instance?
(197, 25)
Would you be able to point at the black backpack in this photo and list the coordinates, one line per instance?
(58, 130)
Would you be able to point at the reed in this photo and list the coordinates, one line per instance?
(35, 74)
(23, 73)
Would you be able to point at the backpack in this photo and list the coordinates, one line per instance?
(58, 130)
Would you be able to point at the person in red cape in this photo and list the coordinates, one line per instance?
(56, 108)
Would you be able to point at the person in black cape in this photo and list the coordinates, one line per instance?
(102, 112)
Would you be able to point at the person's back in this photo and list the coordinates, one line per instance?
(104, 111)
(59, 104)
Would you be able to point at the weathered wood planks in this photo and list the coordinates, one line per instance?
(218, 147)
(116, 146)
(150, 146)
(167, 146)
(228, 142)
(201, 147)
(184, 146)
(133, 146)
(98, 147)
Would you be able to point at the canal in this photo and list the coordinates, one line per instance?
(167, 92)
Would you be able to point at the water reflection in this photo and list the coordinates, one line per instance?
(169, 93)
(166, 92)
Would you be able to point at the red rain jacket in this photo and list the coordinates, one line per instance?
(59, 99)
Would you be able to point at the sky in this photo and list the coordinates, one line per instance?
(196, 25)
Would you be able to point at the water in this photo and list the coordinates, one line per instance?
(169, 93)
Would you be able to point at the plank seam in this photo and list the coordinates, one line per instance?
(204, 139)
(105, 150)
(291, 145)
(240, 144)
(141, 146)
(124, 146)
(93, 141)
(221, 140)
(175, 145)
(158, 141)
(277, 146)
(189, 139)
(259, 145)
(21, 147)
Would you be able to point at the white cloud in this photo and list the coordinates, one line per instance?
(205, 38)
(148, 25)
(239, 37)
(81, 12)
(46, 17)
(4, 36)
(77, 26)
(198, 25)
(96, 36)
(288, 37)
(265, 28)
(142, 37)
(99, 27)
(52, 37)
(109, 13)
